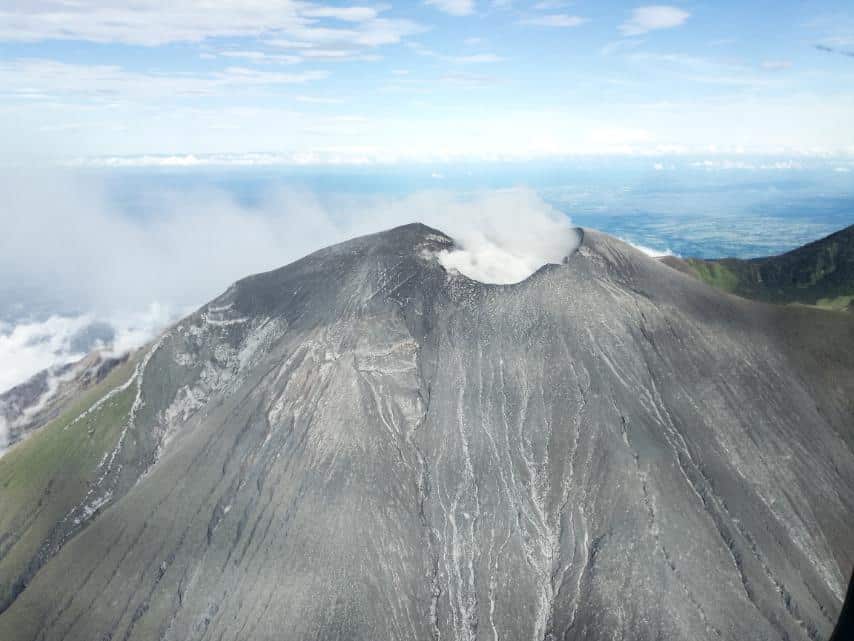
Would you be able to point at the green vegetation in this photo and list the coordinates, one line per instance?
(820, 273)
(45, 476)
(843, 303)
(715, 274)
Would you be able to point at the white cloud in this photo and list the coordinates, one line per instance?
(468, 80)
(29, 347)
(347, 14)
(193, 243)
(476, 58)
(620, 46)
(420, 130)
(320, 100)
(453, 7)
(609, 137)
(157, 22)
(776, 65)
(704, 70)
(329, 47)
(189, 246)
(555, 20)
(337, 55)
(729, 164)
(319, 156)
(98, 83)
(551, 5)
(651, 18)
(259, 57)
(284, 43)
(373, 33)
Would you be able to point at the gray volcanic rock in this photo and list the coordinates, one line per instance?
(362, 446)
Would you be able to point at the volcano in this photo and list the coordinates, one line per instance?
(365, 445)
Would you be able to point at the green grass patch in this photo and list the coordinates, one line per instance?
(840, 303)
(716, 275)
(46, 475)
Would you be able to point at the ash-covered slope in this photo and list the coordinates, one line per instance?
(363, 446)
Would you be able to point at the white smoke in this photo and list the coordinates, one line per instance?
(504, 237)
(650, 251)
(65, 241)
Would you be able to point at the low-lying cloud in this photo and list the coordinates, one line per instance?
(30, 346)
(72, 257)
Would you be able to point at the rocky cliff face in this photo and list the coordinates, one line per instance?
(361, 445)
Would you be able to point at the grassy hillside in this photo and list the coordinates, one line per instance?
(44, 477)
(820, 273)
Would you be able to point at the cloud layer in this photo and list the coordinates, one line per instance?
(27, 348)
(422, 80)
(157, 22)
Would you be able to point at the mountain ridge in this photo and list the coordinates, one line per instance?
(820, 273)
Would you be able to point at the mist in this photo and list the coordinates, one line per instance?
(71, 257)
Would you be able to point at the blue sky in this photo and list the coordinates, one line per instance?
(259, 81)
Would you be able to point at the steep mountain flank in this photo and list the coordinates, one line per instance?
(362, 445)
(820, 273)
